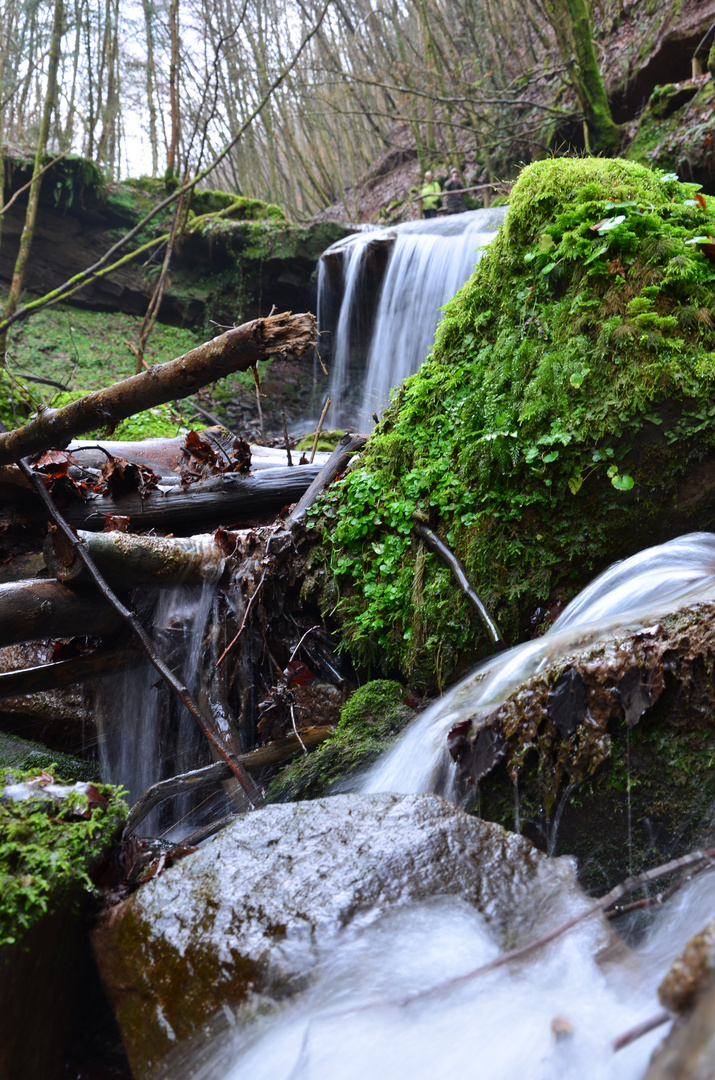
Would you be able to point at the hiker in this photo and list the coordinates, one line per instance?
(455, 194)
(430, 196)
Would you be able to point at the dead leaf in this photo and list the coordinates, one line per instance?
(700, 200)
(298, 674)
(116, 523)
(120, 477)
(567, 703)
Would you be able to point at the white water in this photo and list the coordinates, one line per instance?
(130, 703)
(354, 1024)
(428, 263)
(652, 583)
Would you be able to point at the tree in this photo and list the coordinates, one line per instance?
(572, 25)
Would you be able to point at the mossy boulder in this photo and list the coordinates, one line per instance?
(565, 418)
(673, 131)
(608, 750)
(369, 721)
(52, 836)
(235, 207)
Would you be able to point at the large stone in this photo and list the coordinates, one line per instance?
(238, 924)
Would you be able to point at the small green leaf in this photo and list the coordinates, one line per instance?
(548, 268)
(622, 482)
(612, 470)
(611, 223)
(548, 458)
(575, 484)
(594, 255)
(578, 377)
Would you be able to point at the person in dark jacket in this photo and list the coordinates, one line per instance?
(454, 194)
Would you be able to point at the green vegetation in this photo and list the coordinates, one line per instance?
(567, 396)
(235, 207)
(24, 754)
(369, 721)
(48, 848)
(87, 350)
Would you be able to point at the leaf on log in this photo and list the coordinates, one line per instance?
(200, 460)
(54, 468)
(116, 523)
(120, 477)
(637, 695)
(567, 703)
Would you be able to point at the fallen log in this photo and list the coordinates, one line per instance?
(127, 560)
(164, 455)
(39, 610)
(264, 756)
(177, 687)
(237, 350)
(219, 501)
(36, 680)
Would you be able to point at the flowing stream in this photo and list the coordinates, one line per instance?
(427, 263)
(353, 1023)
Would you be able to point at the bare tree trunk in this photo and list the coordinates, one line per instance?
(28, 231)
(171, 162)
(150, 83)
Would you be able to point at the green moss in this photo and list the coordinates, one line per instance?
(568, 394)
(47, 850)
(676, 137)
(369, 721)
(327, 440)
(24, 754)
(236, 207)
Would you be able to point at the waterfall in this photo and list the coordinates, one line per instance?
(646, 586)
(143, 735)
(392, 284)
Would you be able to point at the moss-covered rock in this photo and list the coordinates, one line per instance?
(369, 721)
(565, 418)
(608, 750)
(24, 755)
(674, 129)
(52, 836)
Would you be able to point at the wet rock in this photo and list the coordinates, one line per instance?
(688, 1052)
(238, 924)
(690, 973)
(634, 711)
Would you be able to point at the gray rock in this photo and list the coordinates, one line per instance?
(238, 924)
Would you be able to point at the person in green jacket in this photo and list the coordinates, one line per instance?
(430, 193)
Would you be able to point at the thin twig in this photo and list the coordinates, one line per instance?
(249, 605)
(639, 1030)
(285, 436)
(310, 631)
(693, 859)
(451, 560)
(181, 691)
(319, 429)
(295, 730)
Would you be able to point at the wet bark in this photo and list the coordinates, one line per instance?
(218, 501)
(42, 610)
(127, 560)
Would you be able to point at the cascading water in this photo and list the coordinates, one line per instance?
(137, 746)
(354, 1021)
(650, 584)
(428, 261)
